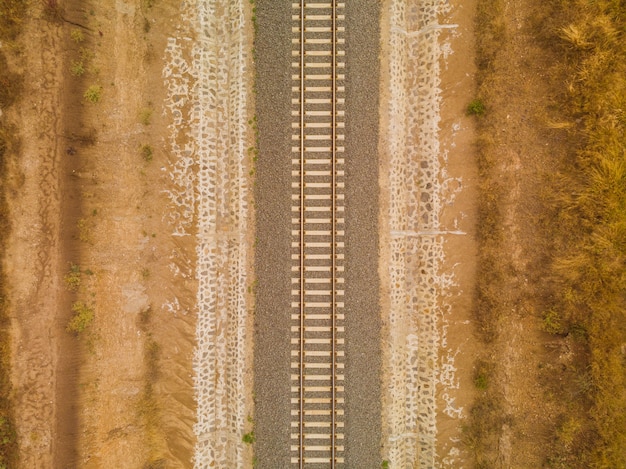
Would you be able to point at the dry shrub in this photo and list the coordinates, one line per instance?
(590, 263)
(11, 17)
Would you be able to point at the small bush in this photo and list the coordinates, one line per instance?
(82, 319)
(146, 152)
(145, 116)
(93, 94)
(482, 374)
(249, 438)
(476, 107)
(77, 36)
(84, 230)
(552, 322)
(77, 68)
(72, 278)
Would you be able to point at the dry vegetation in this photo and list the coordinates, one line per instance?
(584, 293)
(11, 16)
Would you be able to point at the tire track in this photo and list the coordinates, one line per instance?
(33, 259)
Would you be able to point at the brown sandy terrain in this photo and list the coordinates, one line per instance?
(521, 153)
(84, 192)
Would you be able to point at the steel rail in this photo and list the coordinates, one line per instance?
(333, 301)
(301, 393)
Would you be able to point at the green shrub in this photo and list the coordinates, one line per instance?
(77, 35)
(82, 319)
(146, 152)
(476, 107)
(93, 94)
(77, 68)
(249, 438)
(72, 278)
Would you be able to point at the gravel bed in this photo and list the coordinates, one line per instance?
(273, 218)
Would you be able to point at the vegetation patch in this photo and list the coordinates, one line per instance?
(77, 36)
(249, 438)
(72, 278)
(77, 68)
(145, 116)
(93, 94)
(148, 407)
(585, 288)
(12, 15)
(82, 318)
(589, 264)
(476, 107)
(146, 152)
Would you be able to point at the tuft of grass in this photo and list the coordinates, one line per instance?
(476, 107)
(146, 152)
(77, 36)
(483, 371)
(84, 230)
(145, 116)
(552, 322)
(249, 438)
(72, 278)
(77, 68)
(93, 94)
(82, 318)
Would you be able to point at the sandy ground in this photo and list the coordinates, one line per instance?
(83, 194)
(457, 138)
(527, 153)
(428, 189)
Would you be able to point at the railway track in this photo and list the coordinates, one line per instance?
(317, 319)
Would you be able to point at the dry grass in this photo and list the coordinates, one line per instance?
(486, 417)
(148, 406)
(586, 201)
(590, 286)
(12, 13)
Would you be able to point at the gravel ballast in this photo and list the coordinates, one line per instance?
(273, 217)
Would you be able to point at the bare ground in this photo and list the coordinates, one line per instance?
(523, 154)
(81, 192)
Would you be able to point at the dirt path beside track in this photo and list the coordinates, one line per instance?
(87, 191)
